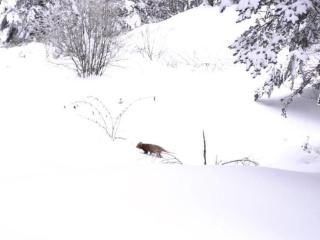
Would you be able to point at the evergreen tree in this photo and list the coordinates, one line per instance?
(26, 20)
(284, 41)
(158, 10)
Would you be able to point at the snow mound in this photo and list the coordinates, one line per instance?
(162, 203)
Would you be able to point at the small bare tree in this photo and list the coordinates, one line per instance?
(87, 31)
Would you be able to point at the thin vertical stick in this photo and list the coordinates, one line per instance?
(204, 148)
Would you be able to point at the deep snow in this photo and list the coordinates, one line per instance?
(162, 202)
(61, 177)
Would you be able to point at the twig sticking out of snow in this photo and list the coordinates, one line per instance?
(204, 148)
(170, 159)
(244, 162)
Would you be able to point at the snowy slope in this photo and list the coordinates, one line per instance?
(191, 95)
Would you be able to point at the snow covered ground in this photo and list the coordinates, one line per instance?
(162, 202)
(62, 177)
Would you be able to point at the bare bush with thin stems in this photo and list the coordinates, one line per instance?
(149, 47)
(98, 113)
(86, 31)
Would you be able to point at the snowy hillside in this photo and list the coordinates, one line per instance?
(62, 177)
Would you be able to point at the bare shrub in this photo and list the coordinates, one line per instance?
(87, 31)
(148, 46)
(306, 147)
(94, 110)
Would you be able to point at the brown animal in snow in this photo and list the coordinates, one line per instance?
(151, 148)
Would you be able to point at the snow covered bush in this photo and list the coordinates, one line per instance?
(284, 41)
(87, 31)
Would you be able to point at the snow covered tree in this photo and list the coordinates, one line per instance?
(8, 21)
(208, 2)
(22, 20)
(158, 10)
(283, 41)
(26, 20)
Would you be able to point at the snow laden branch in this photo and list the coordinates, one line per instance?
(283, 41)
(94, 110)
